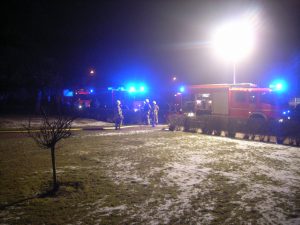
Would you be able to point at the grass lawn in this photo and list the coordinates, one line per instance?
(149, 177)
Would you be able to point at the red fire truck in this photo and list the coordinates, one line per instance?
(82, 99)
(241, 101)
(239, 108)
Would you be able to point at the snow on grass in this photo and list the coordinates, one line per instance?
(124, 171)
(89, 123)
(185, 177)
(157, 177)
(107, 211)
(272, 207)
(98, 210)
(196, 160)
(271, 179)
(118, 133)
(19, 122)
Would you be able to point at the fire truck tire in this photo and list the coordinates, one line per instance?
(279, 140)
(231, 130)
(231, 134)
(217, 132)
(187, 124)
(256, 124)
(297, 142)
(172, 127)
(206, 130)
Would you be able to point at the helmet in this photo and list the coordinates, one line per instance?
(154, 102)
(118, 102)
(147, 100)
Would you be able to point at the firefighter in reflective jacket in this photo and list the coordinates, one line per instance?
(147, 111)
(118, 115)
(155, 110)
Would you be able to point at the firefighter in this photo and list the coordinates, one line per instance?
(155, 110)
(147, 111)
(118, 115)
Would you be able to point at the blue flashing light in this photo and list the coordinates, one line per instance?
(110, 88)
(68, 93)
(131, 89)
(278, 85)
(181, 89)
(142, 88)
(91, 90)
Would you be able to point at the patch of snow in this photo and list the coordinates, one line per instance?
(269, 175)
(193, 160)
(89, 123)
(234, 177)
(123, 170)
(185, 177)
(117, 133)
(18, 122)
(63, 169)
(107, 211)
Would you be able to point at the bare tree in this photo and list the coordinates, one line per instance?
(49, 134)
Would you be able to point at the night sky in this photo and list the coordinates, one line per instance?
(152, 41)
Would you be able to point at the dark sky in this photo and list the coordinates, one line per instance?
(153, 40)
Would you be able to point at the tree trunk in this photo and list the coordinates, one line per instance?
(55, 186)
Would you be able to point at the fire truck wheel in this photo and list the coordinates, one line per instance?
(279, 140)
(297, 142)
(205, 130)
(217, 132)
(231, 134)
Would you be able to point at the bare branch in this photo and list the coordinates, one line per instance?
(50, 131)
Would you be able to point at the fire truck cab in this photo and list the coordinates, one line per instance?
(242, 101)
(82, 99)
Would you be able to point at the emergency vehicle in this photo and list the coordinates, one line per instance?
(83, 99)
(241, 101)
(237, 108)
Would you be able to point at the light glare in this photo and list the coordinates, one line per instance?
(132, 89)
(234, 40)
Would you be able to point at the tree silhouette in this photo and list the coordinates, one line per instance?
(50, 132)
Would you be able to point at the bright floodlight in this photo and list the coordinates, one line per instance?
(234, 40)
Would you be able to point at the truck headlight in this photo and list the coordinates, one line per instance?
(191, 114)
